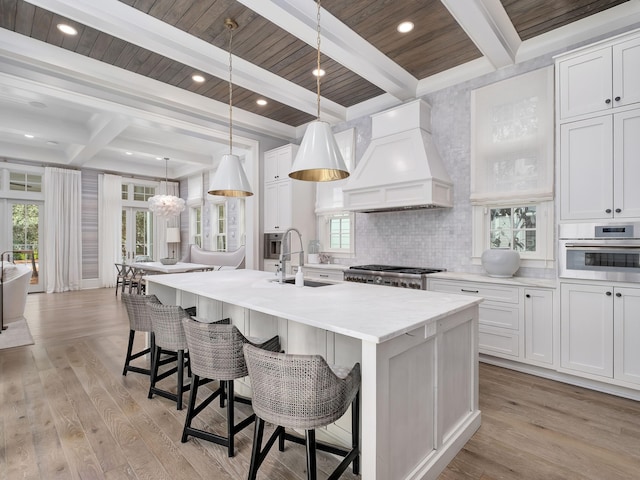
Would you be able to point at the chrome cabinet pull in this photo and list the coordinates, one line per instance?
(469, 291)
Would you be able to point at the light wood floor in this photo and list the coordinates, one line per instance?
(66, 411)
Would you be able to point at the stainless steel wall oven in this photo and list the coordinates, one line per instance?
(600, 251)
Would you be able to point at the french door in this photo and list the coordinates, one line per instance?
(137, 233)
(26, 218)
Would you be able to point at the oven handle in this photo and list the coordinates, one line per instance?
(590, 246)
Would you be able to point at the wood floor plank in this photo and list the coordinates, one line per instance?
(66, 411)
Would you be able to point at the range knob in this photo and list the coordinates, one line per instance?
(378, 280)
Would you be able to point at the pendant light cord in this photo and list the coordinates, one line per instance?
(166, 174)
(318, 61)
(230, 27)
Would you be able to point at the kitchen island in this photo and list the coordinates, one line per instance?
(417, 349)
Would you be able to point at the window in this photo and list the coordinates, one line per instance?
(195, 225)
(336, 233)
(514, 228)
(220, 233)
(25, 182)
(143, 193)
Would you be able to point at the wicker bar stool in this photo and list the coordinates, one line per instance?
(215, 352)
(304, 392)
(139, 321)
(166, 321)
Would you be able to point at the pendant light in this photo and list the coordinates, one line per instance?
(230, 180)
(166, 205)
(318, 158)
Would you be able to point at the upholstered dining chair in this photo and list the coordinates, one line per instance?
(215, 353)
(302, 392)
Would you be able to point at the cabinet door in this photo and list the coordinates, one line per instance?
(271, 166)
(271, 208)
(626, 166)
(626, 308)
(277, 206)
(586, 169)
(586, 328)
(585, 83)
(626, 72)
(538, 325)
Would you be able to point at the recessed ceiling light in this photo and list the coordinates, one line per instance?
(158, 158)
(261, 101)
(316, 74)
(28, 135)
(128, 153)
(405, 27)
(197, 78)
(68, 29)
(38, 104)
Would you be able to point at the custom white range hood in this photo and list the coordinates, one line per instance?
(401, 168)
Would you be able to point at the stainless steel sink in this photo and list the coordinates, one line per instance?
(308, 283)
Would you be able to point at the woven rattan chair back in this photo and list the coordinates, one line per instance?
(138, 310)
(298, 391)
(166, 321)
(215, 350)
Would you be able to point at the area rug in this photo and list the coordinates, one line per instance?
(17, 334)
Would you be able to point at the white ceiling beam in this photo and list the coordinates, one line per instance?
(104, 128)
(338, 42)
(127, 23)
(487, 24)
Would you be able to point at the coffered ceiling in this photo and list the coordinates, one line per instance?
(124, 82)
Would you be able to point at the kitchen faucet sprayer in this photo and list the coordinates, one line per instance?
(284, 254)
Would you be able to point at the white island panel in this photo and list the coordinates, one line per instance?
(417, 349)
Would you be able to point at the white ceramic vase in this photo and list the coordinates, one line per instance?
(500, 262)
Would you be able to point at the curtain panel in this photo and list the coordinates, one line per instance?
(62, 229)
(109, 227)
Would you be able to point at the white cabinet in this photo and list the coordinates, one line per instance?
(277, 206)
(277, 163)
(514, 322)
(599, 167)
(538, 325)
(287, 203)
(599, 78)
(600, 331)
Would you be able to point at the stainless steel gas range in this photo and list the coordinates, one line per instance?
(390, 275)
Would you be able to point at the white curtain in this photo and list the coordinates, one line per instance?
(109, 227)
(160, 247)
(62, 229)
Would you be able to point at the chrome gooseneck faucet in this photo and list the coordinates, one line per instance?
(284, 254)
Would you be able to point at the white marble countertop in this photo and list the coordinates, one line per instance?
(368, 312)
(513, 281)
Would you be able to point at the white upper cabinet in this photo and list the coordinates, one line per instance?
(599, 79)
(599, 168)
(277, 163)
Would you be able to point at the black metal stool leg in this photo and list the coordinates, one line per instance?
(311, 454)
(257, 445)
(230, 413)
(132, 334)
(191, 407)
(355, 432)
(180, 379)
(154, 371)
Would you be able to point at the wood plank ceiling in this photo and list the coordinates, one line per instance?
(436, 44)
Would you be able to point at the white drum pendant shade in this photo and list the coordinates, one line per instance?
(230, 179)
(319, 159)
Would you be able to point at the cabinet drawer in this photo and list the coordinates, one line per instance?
(497, 293)
(498, 341)
(499, 315)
